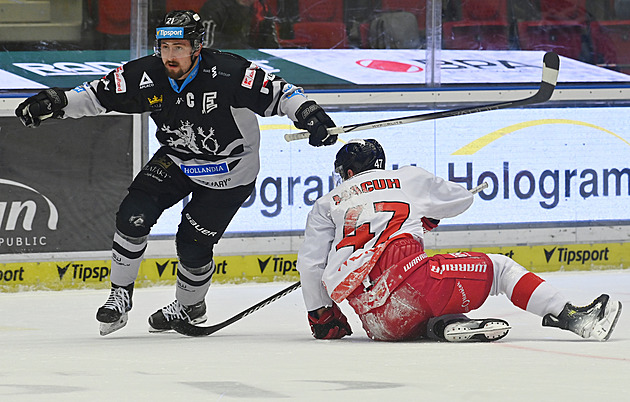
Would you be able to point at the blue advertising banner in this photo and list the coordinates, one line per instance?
(548, 166)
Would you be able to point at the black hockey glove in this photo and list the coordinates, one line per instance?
(46, 104)
(312, 117)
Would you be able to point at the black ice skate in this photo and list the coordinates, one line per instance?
(161, 320)
(597, 320)
(113, 314)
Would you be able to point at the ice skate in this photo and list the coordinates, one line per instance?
(484, 330)
(597, 320)
(113, 314)
(161, 320)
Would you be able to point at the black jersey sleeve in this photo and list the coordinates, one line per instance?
(120, 89)
(264, 93)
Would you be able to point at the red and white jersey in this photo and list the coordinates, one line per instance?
(348, 228)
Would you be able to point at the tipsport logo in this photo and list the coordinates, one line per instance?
(280, 265)
(166, 33)
(170, 267)
(12, 275)
(83, 273)
(564, 255)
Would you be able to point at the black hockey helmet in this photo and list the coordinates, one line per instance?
(180, 24)
(359, 156)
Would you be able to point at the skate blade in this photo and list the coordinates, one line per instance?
(107, 328)
(603, 329)
(491, 331)
(198, 320)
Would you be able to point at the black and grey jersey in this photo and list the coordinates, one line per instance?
(207, 123)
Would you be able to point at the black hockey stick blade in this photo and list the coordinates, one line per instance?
(188, 329)
(551, 67)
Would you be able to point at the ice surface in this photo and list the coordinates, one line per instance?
(51, 351)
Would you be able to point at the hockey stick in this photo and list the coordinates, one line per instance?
(473, 190)
(188, 329)
(480, 187)
(551, 66)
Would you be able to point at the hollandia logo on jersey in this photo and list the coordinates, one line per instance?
(169, 33)
(205, 170)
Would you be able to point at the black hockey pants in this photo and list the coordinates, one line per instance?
(160, 185)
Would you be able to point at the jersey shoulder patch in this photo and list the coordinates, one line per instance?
(144, 73)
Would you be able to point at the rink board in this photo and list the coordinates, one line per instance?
(57, 275)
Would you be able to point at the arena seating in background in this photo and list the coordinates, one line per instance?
(112, 17)
(562, 37)
(321, 10)
(321, 35)
(563, 28)
(184, 5)
(484, 25)
(568, 27)
(273, 6)
(321, 26)
(611, 41)
(417, 8)
(563, 10)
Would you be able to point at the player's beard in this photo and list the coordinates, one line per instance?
(172, 71)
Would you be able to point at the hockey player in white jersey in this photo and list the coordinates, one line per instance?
(364, 243)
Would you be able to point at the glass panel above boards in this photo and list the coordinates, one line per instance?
(336, 43)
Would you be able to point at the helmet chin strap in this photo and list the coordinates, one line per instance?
(192, 64)
(193, 59)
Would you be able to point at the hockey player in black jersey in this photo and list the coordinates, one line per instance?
(204, 103)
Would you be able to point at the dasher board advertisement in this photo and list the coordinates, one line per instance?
(319, 67)
(543, 166)
(60, 185)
